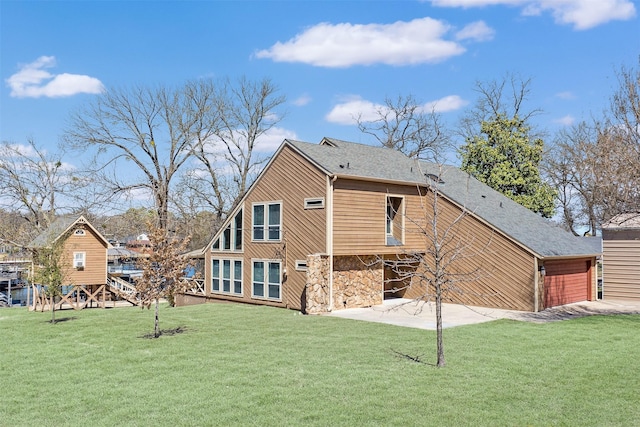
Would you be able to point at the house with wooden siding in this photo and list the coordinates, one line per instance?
(83, 262)
(621, 257)
(313, 230)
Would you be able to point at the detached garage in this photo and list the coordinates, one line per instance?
(621, 257)
(566, 282)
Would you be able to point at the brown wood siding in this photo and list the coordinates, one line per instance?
(289, 179)
(506, 270)
(621, 269)
(566, 282)
(95, 249)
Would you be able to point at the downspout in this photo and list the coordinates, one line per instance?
(329, 231)
(536, 286)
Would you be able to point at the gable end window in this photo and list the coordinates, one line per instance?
(230, 239)
(79, 232)
(267, 221)
(395, 221)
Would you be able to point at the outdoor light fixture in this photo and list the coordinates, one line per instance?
(542, 270)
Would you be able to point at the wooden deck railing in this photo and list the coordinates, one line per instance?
(193, 285)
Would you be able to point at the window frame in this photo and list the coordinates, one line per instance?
(266, 282)
(266, 225)
(230, 238)
(81, 265)
(232, 279)
(391, 223)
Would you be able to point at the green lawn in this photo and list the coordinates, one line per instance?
(249, 365)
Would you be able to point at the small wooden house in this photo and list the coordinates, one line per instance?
(84, 260)
(621, 257)
(311, 231)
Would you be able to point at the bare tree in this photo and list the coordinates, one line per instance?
(36, 184)
(625, 105)
(498, 98)
(438, 270)
(405, 125)
(162, 271)
(228, 160)
(143, 136)
(596, 165)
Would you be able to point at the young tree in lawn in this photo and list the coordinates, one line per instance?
(162, 271)
(49, 269)
(444, 262)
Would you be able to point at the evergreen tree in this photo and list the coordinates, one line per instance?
(505, 157)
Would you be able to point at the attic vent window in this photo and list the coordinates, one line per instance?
(435, 178)
(79, 232)
(314, 203)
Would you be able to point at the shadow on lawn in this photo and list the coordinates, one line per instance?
(168, 332)
(571, 312)
(60, 320)
(415, 359)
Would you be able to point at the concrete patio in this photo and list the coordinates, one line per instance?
(422, 315)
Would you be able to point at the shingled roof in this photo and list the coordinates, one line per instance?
(58, 228)
(359, 161)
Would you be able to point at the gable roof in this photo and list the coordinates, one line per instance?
(630, 220)
(59, 228)
(359, 161)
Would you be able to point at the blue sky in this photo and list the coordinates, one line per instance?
(332, 59)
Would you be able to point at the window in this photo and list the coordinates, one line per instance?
(226, 276)
(231, 237)
(237, 226)
(315, 203)
(78, 260)
(267, 280)
(79, 232)
(394, 227)
(301, 265)
(267, 221)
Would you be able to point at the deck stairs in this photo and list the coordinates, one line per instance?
(123, 289)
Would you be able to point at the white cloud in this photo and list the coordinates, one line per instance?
(448, 103)
(301, 101)
(343, 45)
(354, 108)
(582, 14)
(567, 120)
(566, 95)
(348, 112)
(477, 31)
(33, 81)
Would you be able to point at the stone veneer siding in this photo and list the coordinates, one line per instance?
(358, 281)
(317, 288)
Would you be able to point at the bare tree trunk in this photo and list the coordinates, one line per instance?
(53, 309)
(440, 346)
(156, 329)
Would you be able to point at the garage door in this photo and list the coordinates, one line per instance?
(566, 282)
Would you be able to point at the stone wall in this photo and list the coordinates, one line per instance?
(357, 282)
(317, 287)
